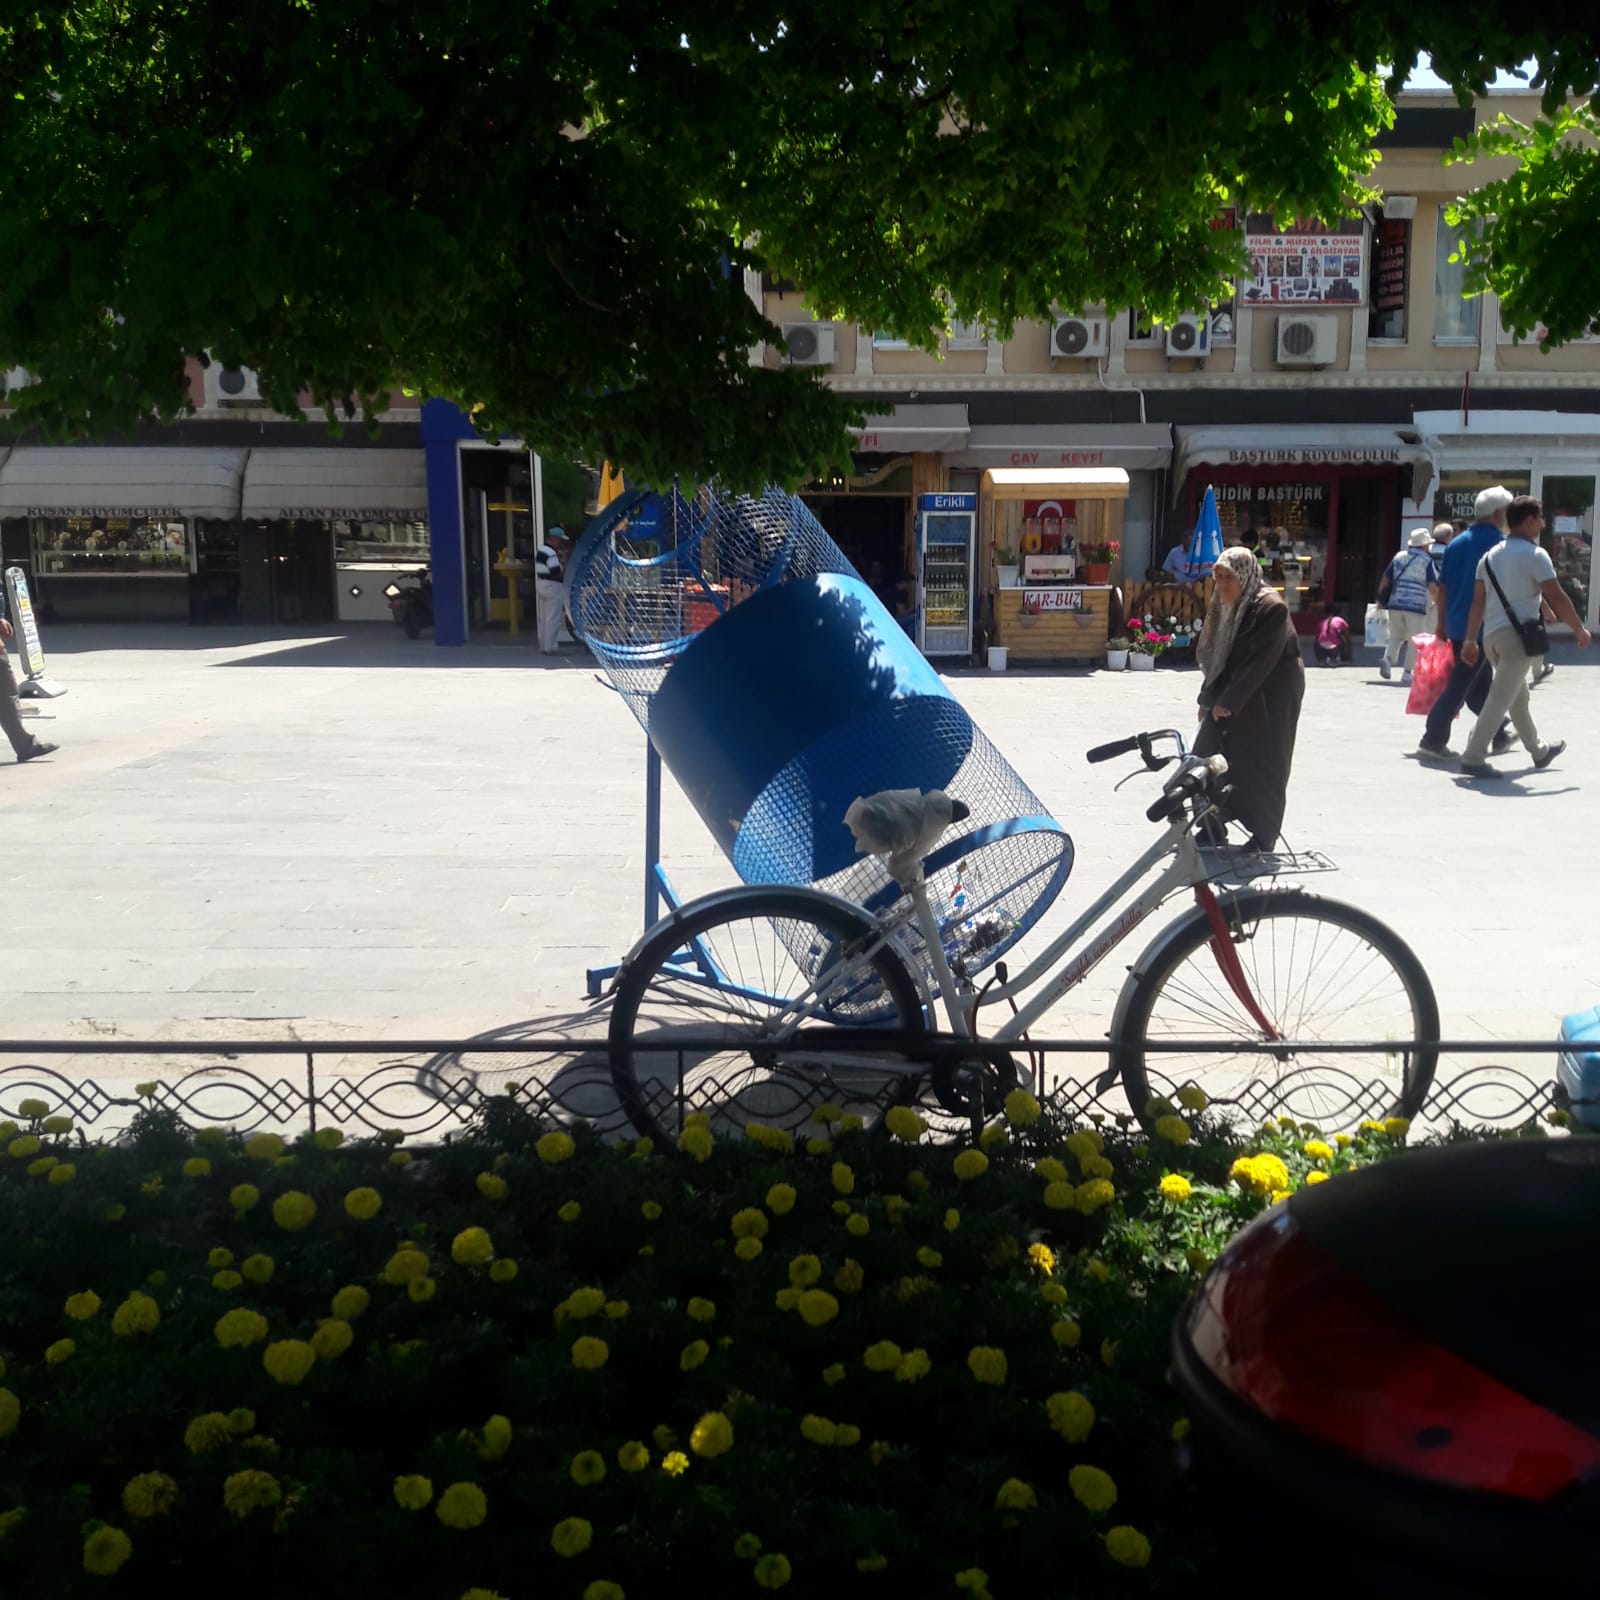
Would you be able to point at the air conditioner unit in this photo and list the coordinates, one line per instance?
(810, 344)
(231, 386)
(1190, 336)
(1307, 341)
(1081, 337)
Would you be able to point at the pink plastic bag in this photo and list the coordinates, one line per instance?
(1435, 662)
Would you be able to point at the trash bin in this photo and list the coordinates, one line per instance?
(997, 657)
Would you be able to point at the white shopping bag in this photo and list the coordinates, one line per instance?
(1377, 625)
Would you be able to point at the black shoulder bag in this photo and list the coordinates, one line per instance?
(1534, 636)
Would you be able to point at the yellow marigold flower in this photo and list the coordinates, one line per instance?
(1343, 1140)
(817, 1429)
(842, 1208)
(137, 1314)
(350, 1302)
(1397, 1127)
(363, 1204)
(554, 1148)
(333, 1337)
(748, 1248)
(57, 1125)
(60, 1351)
(570, 1212)
(589, 1354)
(399, 1158)
(263, 1146)
(24, 1147)
(847, 1434)
(210, 1432)
(747, 1547)
(1260, 1174)
(1369, 1126)
(1061, 1197)
(1180, 1430)
(64, 1173)
(872, 1563)
(643, 1147)
(827, 1112)
(651, 1211)
(976, 1581)
(779, 1140)
(804, 1271)
(1071, 1415)
(698, 1119)
(1053, 1294)
(616, 1310)
(211, 1138)
(37, 1169)
(1094, 1194)
(675, 1463)
(421, 1290)
(696, 1142)
(1197, 1259)
(772, 1572)
(483, 1594)
(929, 1258)
(80, 1307)
(751, 1223)
(33, 1109)
(462, 1505)
(1015, 1495)
(571, 1536)
(244, 1197)
(884, 1356)
(1160, 1106)
(219, 1258)
(604, 1589)
(693, 1355)
(817, 1307)
(1021, 1109)
(909, 1289)
(150, 1494)
(970, 1164)
(472, 1247)
(328, 1138)
(987, 1364)
(197, 1167)
(914, 1366)
(588, 1467)
(1108, 1351)
(258, 1268)
(241, 1420)
(1092, 1488)
(858, 1224)
(780, 1199)
(1316, 1177)
(1317, 1150)
(1193, 1098)
(116, 1212)
(293, 1210)
(412, 1492)
(844, 1179)
(879, 1451)
(1175, 1187)
(712, 1435)
(904, 1123)
(1128, 1547)
(1066, 1333)
(1042, 1259)
(580, 1305)
(849, 1278)
(917, 1179)
(496, 1438)
(404, 1265)
(238, 1329)
(851, 1123)
(10, 1412)
(105, 1550)
(1051, 1170)
(701, 1310)
(1173, 1129)
(250, 1490)
(819, 1147)
(997, 1134)
(503, 1270)
(288, 1361)
(633, 1456)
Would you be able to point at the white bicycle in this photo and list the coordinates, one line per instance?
(778, 984)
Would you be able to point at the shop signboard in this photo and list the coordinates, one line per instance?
(1453, 500)
(1037, 601)
(35, 684)
(1307, 263)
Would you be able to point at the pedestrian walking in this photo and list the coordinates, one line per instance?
(1516, 580)
(549, 589)
(1252, 686)
(27, 746)
(1469, 682)
(1406, 589)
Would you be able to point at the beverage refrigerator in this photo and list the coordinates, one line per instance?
(947, 526)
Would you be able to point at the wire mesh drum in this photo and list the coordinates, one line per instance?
(799, 693)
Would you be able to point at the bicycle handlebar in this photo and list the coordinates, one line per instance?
(1193, 780)
(1144, 743)
(1109, 752)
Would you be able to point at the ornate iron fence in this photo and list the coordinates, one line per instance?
(431, 1088)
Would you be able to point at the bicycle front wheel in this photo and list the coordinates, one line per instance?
(760, 977)
(1293, 967)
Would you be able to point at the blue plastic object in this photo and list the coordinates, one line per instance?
(1578, 1071)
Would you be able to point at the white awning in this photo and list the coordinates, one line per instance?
(910, 429)
(88, 481)
(367, 485)
(1304, 445)
(1135, 447)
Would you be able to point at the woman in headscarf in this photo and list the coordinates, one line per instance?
(1250, 697)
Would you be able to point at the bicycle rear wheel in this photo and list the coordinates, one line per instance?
(1313, 970)
(764, 974)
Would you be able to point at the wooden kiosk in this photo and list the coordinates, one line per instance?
(1044, 620)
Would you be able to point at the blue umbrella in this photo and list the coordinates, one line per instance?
(1206, 545)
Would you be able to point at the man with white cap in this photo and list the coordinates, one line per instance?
(1458, 580)
(1406, 589)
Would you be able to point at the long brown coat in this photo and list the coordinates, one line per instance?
(1262, 685)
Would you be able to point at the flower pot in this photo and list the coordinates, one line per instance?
(1007, 576)
(1138, 662)
(997, 657)
(1097, 572)
(1116, 660)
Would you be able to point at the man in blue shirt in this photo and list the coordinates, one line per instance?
(1458, 576)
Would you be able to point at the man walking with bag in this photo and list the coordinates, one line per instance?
(1469, 683)
(1512, 580)
(1405, 591)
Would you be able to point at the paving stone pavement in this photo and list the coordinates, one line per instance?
(339, 835)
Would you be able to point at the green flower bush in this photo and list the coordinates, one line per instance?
(529, 1363)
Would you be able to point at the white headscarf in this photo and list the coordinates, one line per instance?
(1222, 622)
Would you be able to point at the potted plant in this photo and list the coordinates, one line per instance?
(1097, 559)
(1117, 653)
(1145, 643)
(1005, 566)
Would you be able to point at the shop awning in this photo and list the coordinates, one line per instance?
(1031, 483)
(910, 429)
(1303, 445)
(369, 485)
(1135, 447)
(88, 481)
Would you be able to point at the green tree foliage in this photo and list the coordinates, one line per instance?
(545, 210)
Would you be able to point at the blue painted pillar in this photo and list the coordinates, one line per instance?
(443, 428)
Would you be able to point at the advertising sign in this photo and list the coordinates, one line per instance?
(1306, 264)
(1035, 601)
(35, 684)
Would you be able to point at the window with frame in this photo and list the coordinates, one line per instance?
(966, 336)
(1456, 318)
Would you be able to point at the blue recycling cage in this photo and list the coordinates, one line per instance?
(776, 688)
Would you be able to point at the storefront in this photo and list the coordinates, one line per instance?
(1552, 455)
(1321, 506)
(110, 531)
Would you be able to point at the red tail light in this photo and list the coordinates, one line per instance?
(1288, 1330)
